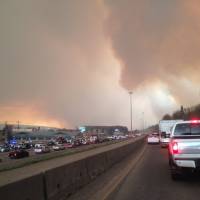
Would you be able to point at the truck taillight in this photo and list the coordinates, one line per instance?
(175, 147)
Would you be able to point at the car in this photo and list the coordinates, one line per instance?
(69, 145)
(73, 143)
(41, 149)
(85, 142)
(20, 153)
(58, 147)
(25, 146)
(184, 148)
(38, 145)
(164, 139)
(4, 149)
(110, 138)
(153, 139)
(50, 143)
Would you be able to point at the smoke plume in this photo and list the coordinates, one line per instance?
(157, 41)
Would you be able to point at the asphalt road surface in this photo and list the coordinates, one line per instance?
(150, 180)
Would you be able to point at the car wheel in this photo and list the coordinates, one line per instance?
(175, 172)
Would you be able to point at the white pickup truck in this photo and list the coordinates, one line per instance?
(184, 148)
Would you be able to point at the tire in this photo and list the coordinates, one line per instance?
(175, 171)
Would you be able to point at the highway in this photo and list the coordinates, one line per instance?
(150, 180)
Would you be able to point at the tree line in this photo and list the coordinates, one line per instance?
(184, 113)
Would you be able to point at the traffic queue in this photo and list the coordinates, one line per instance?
(23, 149)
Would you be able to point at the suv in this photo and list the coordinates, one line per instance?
(184, 148)
(41, 149)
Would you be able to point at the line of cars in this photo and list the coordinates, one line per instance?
(155, 138)
(22, 150)
(27, 148)
(183, 144)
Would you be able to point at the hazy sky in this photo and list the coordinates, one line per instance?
(72, 62)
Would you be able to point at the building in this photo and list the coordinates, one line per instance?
(107, 130)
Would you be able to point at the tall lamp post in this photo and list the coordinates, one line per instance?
(131, 110)
(143, 125)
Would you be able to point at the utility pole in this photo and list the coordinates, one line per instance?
(131, 110)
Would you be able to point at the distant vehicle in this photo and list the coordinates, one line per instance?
(60, 140)
(138, 134)
(50, 143)
(110, 137)
(165, 128)
(58, 147)
(4, 149)
(184, 148)
(101, 137)
(42, 149)
(38, 145)
(25, 146)
(85, 141)
(153, 138)
(93, 139)
(76, 143)
(18, 154)
(69, 145)
(73, 143)
(119, 137)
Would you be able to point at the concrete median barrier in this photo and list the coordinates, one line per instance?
(96, 165)
(31, 188)
(65, 180)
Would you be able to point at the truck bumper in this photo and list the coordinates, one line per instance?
(185, 163)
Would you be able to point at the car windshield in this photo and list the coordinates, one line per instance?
(187, 129)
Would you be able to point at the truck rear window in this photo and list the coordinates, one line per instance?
(187, 129)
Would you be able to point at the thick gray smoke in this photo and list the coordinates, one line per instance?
(54, 63)
(157, 41)
(57, 64)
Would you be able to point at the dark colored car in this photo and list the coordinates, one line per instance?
(26, 146)
(50, 143)
(4, 149)
(18, 154)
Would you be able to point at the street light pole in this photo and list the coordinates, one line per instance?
(131, 110)
(143, 121)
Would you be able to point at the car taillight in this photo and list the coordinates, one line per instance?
(175, 147)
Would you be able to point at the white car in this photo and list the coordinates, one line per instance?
(58, 147)
(153, 139)
(42, 149)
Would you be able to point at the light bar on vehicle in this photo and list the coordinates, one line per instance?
(194, 121)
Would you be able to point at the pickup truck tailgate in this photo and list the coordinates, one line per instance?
(188, 146)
